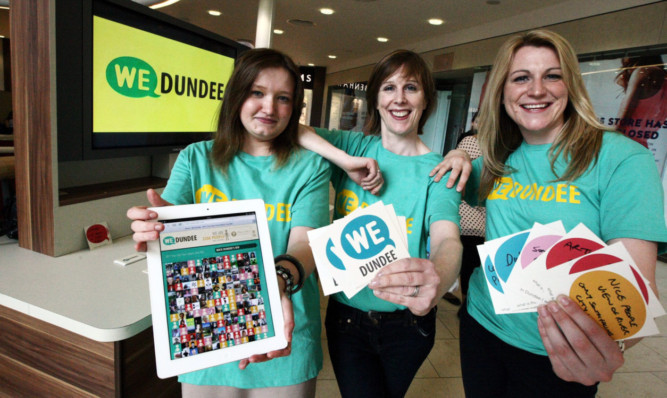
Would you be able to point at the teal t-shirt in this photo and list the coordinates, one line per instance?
(296, 194)
(407, 186)
(618, 197)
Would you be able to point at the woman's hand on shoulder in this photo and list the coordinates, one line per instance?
(578, 348)
(365, 172)
(458, 161)
(143, 225)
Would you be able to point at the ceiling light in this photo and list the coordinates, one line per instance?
(382, 39)
(215, 13)
(326, 11)
(278, 31)
(436, 21)
(331, 56)
(311, 64)
(164, 4)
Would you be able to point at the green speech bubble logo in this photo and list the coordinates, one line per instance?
(132, 77)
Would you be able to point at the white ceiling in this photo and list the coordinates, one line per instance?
(351, 32)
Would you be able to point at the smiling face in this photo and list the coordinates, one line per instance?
(400, 104)
(266, 112)
(534, 95)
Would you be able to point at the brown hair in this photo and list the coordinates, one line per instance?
(413, 66)
(578, 142)
(228, 139)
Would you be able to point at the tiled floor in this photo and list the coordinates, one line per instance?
(644, 373)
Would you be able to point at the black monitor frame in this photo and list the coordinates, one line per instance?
(74, 86)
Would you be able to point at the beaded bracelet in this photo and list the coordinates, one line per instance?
(287, 277)
(299, 267)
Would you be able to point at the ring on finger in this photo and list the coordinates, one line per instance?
(415, 292)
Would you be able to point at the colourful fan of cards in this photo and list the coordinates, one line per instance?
(350, 252)
(532, 267)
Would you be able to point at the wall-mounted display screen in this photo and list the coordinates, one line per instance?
(145, 83)
(132, 81)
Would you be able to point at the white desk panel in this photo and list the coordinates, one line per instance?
(83, 292)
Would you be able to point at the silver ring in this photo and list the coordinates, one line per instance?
(415, 293)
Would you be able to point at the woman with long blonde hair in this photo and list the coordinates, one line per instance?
(538, 133)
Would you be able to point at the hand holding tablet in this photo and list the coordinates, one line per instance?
(213, 287)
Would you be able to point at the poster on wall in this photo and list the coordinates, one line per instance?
(347, 107)
(629, 95)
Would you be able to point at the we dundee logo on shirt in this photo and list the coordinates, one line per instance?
(143, 82)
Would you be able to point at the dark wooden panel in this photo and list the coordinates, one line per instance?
(19, 380)
(60, 359)
(69, 196)
(31, 90)
(137, 368)
(105, 350)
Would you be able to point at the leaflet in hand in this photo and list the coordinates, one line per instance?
(349, 252)
(533, 267)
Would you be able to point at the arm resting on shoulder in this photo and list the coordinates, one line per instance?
(458, 161)
(365, 172)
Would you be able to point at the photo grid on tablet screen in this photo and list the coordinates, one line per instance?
(215, 284)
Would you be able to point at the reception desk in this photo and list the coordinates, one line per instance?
(76, 325)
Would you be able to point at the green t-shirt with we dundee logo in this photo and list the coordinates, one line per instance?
(620, 196)
(296, 194)
(407, 187)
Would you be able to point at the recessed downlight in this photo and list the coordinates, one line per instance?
(326, 11)
(382, 39)
(215, 13)
(278, 31)
(436, 21)
(332, 56)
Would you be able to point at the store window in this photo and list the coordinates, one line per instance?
(346, 107)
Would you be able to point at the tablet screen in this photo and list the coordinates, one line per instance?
(215, 283)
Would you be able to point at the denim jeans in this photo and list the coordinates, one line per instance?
(377, 354)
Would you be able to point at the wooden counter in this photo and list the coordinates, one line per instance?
(77, 325)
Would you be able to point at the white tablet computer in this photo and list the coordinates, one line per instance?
(213, 287)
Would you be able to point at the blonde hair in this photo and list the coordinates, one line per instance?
(580, 138)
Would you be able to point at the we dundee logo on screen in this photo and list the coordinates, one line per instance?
(136, 78)
(143, 82)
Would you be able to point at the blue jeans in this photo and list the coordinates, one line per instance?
(377, 354)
